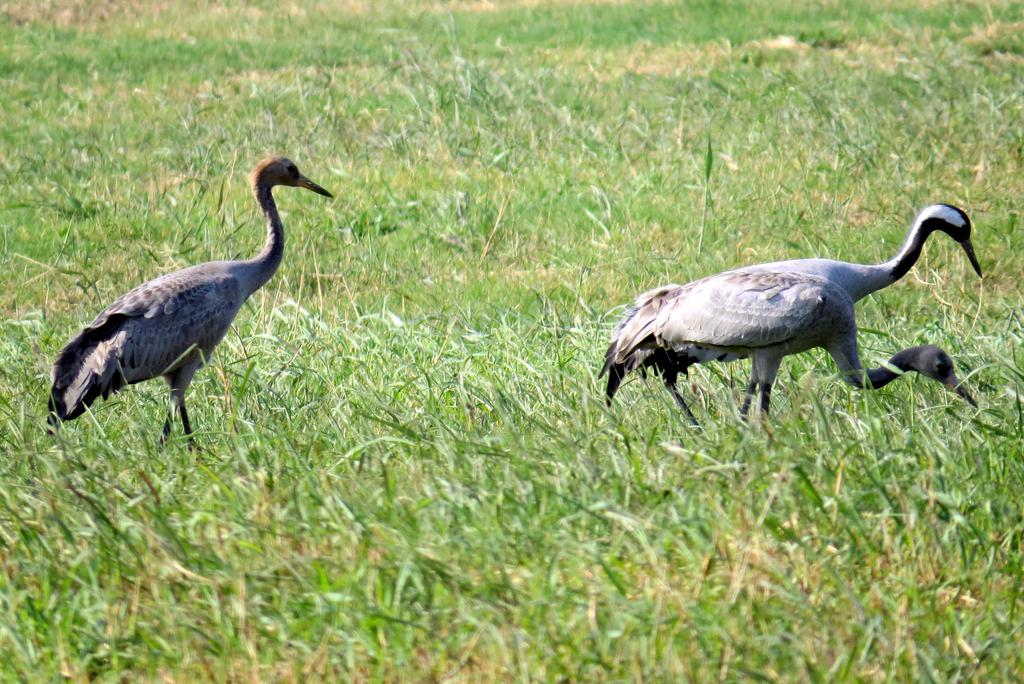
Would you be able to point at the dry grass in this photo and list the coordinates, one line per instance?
(504, 5)
(81, 13)
(696, 61)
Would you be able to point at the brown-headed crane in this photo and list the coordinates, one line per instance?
(168, 327)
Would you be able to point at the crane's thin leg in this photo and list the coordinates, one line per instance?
(762, 377)
(186, 425)
(178, 404)
(767, 367)
(749, 396)
(766, 393)
(680, 402)
(179, 381)
(167, 429)
(670, 373)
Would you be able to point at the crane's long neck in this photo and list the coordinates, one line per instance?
(908, 255)
(263, 266)
(881, 376)
(885, 274)
(860, 280)
(877, 378)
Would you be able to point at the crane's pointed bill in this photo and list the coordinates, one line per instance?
(953, 383)
(969, 248)
(310, 185)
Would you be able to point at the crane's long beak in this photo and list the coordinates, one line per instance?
(953, 383)
(310, 185)
(969, 248)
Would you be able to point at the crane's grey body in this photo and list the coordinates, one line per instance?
(171, 325)
(166, 327)
(768, 311)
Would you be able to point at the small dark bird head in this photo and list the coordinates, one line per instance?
(934, 363)
(954, 222)
(282, 171)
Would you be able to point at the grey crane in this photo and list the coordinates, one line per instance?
(170, 326)
(769, 311)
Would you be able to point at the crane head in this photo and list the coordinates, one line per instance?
(932, 362)
(282, 171)
(954, 222)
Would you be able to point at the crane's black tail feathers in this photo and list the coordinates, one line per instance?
(616, 372)
(632, 357)
(52, 418)
(640, 357)
(85, 369)
(667, 363)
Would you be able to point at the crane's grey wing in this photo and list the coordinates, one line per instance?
(144, 333)
(735, 310)
(164, 295)
(724, 317)
(746, 309)
(156, 343)
(162, 319)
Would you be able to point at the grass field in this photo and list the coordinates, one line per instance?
(407, 469)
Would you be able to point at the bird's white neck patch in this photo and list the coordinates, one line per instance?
(942, 212)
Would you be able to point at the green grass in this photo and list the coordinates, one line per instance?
(408, 471)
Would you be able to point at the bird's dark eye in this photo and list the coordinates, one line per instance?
(293, 171)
